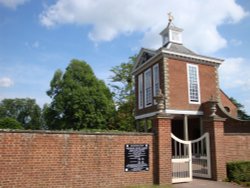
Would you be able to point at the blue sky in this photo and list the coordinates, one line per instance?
(39, 37)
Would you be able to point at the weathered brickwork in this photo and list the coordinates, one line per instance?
(162, 150)
(233, 125)
(215, 127)
(64, 159)
(227, 104)
(237, 147)
(69, 160)
(178, 85)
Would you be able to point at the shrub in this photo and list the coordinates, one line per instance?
(238, 171)
(10, 123)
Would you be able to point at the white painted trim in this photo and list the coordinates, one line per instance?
(169, 111)
(138, 58)
(211, 60)
(146, 115)
(179, 140)
(187, 112)
(171, 36)
(198, 83)
(140, 88)
(169, 45)
(147, 63)
(156, 80)
(187, 159)
(145, 88)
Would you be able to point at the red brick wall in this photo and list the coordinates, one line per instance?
(237, 147)
(227, 103)
(40, 159)
(179, 85)
(215, 127)
(233, 125)
(162, 150)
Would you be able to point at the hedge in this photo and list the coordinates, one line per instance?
(238, 171)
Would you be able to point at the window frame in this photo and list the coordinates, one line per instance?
(140, 91)
(156, 79)
(146, 86)
(175, 36)
(189, 84)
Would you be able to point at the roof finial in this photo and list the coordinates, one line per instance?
(170, 17)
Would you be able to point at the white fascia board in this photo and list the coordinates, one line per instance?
(187, 112)
(212, 60)
(142, 50)
(146, 115)
(146, 64)
(169, 111)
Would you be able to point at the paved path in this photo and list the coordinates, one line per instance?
(200, 183)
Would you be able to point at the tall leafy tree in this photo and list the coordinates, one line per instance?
(123, 87)
(79, 99)
(241, 111)
(25, 111)
(10, 123)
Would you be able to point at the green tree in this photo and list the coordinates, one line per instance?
(241, 111)
(10, 123)
(123, 87)
(25, 111)
(79, 100)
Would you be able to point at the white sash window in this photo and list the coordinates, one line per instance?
(148, 88)
(156, 80)
(193, 84)
(140, 92)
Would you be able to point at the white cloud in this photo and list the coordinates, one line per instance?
(12, 3)
(110, 18)
(235, 80)
(234, 74)
(6, 82)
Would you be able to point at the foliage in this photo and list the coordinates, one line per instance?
(123, 88)
(241, 112)
(25, 111)
(10, 123)
(238, 171)
(79, 100)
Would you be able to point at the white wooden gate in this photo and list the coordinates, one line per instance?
(201, 161)
(181, 160)
(190, 158)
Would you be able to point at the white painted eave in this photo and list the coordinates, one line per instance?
(172, 112)
(194, 57)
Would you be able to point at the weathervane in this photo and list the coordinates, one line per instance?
(170, 17)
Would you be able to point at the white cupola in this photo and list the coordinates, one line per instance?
(171, 33)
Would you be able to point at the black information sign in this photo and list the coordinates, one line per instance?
(136, 157)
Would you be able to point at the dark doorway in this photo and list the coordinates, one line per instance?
(194, 131)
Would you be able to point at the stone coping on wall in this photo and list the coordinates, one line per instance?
(76, 132)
